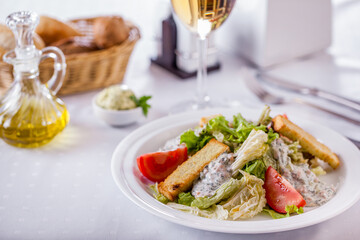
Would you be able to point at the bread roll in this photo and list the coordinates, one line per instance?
(2, 52)
(7, 40)
(52, 30)
(110, 31)
(75, 45)
(38, 41)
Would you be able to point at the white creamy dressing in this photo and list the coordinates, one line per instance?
(314, 191)
(174, 143)
(213, 176)
(171, 144)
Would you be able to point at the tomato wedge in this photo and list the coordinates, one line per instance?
(279, 193)
(158, 165)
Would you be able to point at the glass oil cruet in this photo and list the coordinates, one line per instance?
(30, 113)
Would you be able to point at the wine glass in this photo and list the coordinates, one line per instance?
(201, 17)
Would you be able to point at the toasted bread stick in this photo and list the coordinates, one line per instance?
(183, 177)
(306, 140)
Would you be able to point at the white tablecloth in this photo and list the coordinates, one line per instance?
(65, 190)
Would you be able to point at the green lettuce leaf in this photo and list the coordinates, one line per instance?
(243, 127)
(293, 209)
(271, 135)
(185, 198)
(225, 191)
(289, 210)
(157, 195)
(219, 124)
(239, 131)
(256, 168)
(194, 143)
(274, 214)
(232, 135)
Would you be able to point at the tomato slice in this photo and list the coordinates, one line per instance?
(158, 165)
(279, 193)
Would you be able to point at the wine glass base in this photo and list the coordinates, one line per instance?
(192, 105)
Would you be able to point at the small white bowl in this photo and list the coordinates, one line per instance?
(117, 117)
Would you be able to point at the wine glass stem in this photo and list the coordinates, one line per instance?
(202, 95)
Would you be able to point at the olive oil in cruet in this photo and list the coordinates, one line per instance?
(30, 112)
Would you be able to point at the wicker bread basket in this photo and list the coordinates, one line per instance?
(85, 71)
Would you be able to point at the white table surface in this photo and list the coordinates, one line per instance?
(65, 190)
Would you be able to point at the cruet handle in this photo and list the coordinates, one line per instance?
(57, 78)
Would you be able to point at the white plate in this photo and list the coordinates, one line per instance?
(153, 135)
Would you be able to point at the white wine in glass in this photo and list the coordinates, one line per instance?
(202, 17)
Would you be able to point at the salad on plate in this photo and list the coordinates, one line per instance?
(236, 169)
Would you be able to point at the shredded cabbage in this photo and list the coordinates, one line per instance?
(214, 212)
(295, 153)
(185, 198)
(157, 195)
(318, 171)
(264, 118)
(225, 191)
(253, 147)
(249, 200)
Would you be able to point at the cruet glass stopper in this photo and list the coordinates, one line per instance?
(23, 25)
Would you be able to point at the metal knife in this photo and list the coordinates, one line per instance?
(355, 105)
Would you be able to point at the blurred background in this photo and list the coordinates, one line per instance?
(148, 14)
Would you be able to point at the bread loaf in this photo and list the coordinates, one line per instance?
(52, 30)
